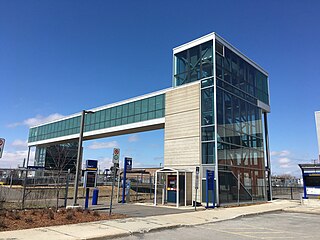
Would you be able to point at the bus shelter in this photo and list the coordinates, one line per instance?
(176, 185)
(311, 180)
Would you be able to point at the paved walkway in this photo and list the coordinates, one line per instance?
(125, 227)
(145, 210)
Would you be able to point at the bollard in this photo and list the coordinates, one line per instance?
(95, 195)
(86, 203)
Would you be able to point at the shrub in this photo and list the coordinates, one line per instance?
(87, 211)
(2, 223)
(62, 211)
(80, 209)
(50, 215)
(70, 211)
(54, 209)
(15, 215)
(96, 214)
(28, 219)
(69, 216)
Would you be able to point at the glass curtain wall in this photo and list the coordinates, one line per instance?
(239, 128)
(193, 64)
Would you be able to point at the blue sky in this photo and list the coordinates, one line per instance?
(59, 57)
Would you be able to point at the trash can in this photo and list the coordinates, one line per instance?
(95, 195)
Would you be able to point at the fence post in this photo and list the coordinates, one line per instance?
(150, 180)
(291, 193)
(67, 189)
(25, 181)
(137, 188)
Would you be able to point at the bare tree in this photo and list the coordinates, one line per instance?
(62, 157)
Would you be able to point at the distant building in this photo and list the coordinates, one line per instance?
(283, 181)
(61, 156)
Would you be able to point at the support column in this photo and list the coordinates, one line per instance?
(267, 154)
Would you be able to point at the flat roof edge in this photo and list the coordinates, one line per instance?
(194, 42)
(237, 51)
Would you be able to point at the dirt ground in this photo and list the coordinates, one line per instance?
(23, 219)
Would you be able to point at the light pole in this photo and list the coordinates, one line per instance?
(79, 158)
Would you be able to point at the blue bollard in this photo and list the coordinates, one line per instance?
(95, 196)
(86, 203)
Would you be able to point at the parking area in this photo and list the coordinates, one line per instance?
(278, 225)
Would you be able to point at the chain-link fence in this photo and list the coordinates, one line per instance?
(43, 189)
(293, 193)
(34, 189)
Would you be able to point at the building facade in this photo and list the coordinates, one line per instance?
(317, 115)
(214, 117)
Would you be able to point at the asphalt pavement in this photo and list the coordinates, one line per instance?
(279, 225)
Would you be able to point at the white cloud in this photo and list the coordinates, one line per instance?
(282, 153)
(36, 120)
(18, 143)
(14, 159)
(103, 145)
(133, 138)
(284, 160)
(158, 158)
(104, 163)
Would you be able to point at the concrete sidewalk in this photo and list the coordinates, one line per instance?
(125, 227)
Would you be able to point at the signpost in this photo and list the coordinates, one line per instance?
(127, 166)
(196, 186)
(115, 160)
(2, 141)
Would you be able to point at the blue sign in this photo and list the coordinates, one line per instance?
(92, 164)
(210, 187)
(210, 179)
(128, 162)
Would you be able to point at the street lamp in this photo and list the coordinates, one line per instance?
(79, 158)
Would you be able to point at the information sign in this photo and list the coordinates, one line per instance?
(197, 177)
(116, 155)
(92, 165)
(2, 141)
(128, 162)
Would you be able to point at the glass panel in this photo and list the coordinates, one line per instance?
(137, 107)
(152, 104)
(131, 109)
(119, 111)
(207, 133)
(159, 102)
(125, 110)
(207, 106)
(208, 153)
(113, 113)
(151, 115)
(144, 105)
